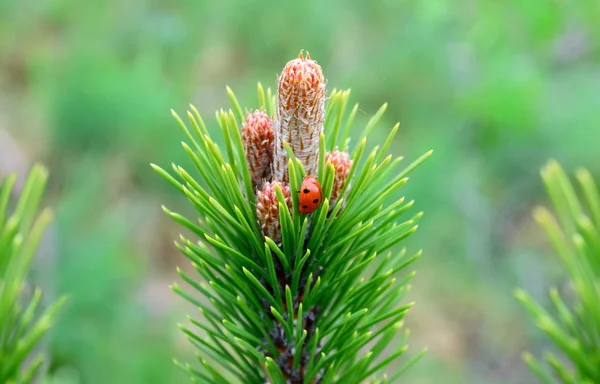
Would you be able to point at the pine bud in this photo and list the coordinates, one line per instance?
(300, 115)
(342, 163)
(267, 209)
(258, 137)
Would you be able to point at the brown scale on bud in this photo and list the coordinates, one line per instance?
(300, 115)
(267, 209)
(342, 163)
(258, 137)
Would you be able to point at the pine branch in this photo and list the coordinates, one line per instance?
(21, 323)
(288, 297)
(575, 329)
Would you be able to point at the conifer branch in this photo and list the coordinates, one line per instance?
(288, 297)
(575, 234)
(22, 322)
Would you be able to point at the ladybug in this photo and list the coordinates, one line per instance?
(310, 195)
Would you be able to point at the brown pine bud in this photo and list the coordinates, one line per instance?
(300, 115)
(258, 137)
(342, 163)
(267, 209)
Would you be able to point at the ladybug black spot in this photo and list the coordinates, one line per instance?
(305, 206)
(306, 190)
(315, 201)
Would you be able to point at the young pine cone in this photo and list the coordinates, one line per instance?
(267, 209)
(342, 164)
(300, 115)
(258, 137)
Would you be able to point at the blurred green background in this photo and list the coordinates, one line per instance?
(495, 88)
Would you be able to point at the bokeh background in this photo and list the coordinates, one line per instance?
(495, 88)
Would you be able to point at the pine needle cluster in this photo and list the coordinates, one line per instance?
(286, 297)
(21, 323)
(573, 324)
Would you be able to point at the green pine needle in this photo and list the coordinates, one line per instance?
(575, 328)
(344, 288)
(22, 322)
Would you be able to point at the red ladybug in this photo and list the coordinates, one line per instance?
(310, 195)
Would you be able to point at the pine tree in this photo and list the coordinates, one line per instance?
(287, 297)
(21, 324)
(574, 328)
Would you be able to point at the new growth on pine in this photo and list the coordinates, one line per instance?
(267, 209)
(300, 115)
(342, 164)
(289, 297)
(258, 137)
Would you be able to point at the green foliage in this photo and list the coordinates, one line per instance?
(21, 323)
(343, 269)
(490, 100)
(575, 234)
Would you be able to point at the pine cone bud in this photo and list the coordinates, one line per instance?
(258, 137)
(267, 209)
(300, 115)
(342, 164)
